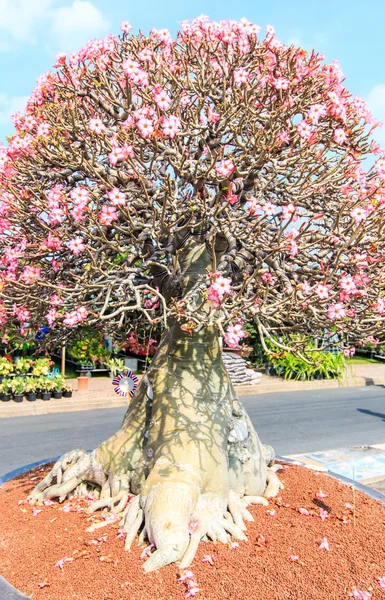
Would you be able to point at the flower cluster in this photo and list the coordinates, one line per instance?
(139, 166)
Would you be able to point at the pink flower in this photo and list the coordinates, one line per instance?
(171, 126)
(379, 305)
(225, 168)
(117, 197)
(347, 283)
(321, 494)
(192, 526)
(381, 582)
(52, 243)
(359, 214)
(51, 316)
(213, 296)
(293, 557)
(146, 55)
(146, 127)
(281, 83)
(60, 563)
(322, 291)
(271, 513)
(96, 125)
(336, 311)
(304, 130)
(349, 351)
(76, 246)
(192, 592)
(233, 335)
(209, 559)
(241, 76)
(284, 137)
(147, 551)
(358, 595)
(35, 512)
(43, 130)
(107, 215)
(60, 59)
(162, 99)
(48, 502)
(316, 112)
(339, 136)
(55, 300)
(304, 511)
(213, 117)
(323, 514)
(324, 545)
(30, 274)
(305, 287)
(269, 208)
(186, 575)
(267, 277)
(222, 285)
(289, 212)
(125, 27)
(380, 167)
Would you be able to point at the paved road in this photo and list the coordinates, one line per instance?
(293, 422)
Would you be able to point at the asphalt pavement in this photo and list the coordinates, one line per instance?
(292, 422)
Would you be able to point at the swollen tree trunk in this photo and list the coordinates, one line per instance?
(186, 449)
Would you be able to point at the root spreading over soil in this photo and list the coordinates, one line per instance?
(47, 552)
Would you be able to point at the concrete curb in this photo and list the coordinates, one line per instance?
(87, 402)
(8, 592)
(358, 486)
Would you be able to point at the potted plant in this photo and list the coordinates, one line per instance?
(58, 383)
(115, 365)
(6, 366)
(23, 365)
(42, 366)
(30, 389)
(48, 387)
(18, 388)
(5, 389)
(67, 390)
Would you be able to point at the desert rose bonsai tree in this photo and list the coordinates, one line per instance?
(196, 182)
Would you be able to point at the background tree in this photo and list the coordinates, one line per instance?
(195, 182)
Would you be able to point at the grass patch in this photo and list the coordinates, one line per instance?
(361, 360)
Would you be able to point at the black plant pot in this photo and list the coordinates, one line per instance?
(31, 397)
(5, 397)
(87, 367)
(18, 398)
(56, 395)
(46, 395)
(39, 395)
(67, 394)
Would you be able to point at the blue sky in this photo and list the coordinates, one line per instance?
(33, 31)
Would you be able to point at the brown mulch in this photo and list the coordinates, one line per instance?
(281, 560)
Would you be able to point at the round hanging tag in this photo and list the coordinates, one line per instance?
(125, 385)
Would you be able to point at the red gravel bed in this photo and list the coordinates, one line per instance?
(281, 560)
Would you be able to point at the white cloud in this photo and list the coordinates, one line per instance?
(376, 103)
(66, 27)
(73, 26)
(10, 105)
(20, 17)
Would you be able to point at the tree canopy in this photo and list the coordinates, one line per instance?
(141, 155)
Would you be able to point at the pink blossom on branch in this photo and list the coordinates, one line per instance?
(76, 246)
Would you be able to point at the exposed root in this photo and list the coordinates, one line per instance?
(273, 484)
